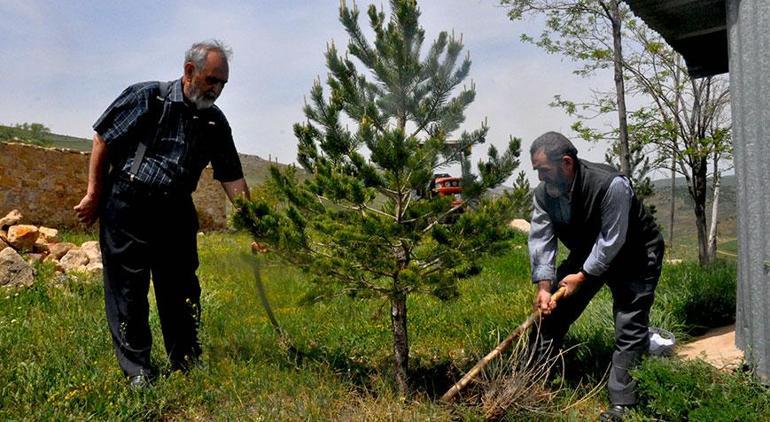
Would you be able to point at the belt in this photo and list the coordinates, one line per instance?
(125, 184)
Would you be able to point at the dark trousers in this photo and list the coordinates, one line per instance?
(632, 298)
(142, 235)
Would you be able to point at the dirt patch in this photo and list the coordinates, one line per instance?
(716, 347)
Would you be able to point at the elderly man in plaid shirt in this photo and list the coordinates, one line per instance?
(149, 150)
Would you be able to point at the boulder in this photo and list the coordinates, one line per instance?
(3, 244)
(48, 235)
(91, 248)
(22, 236)
(520, 225)
(4, 235)
(11, 219)
(74, 260)
(58, 250)
(94, 268)
(14, 271)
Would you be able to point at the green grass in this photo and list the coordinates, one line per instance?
(57, 360)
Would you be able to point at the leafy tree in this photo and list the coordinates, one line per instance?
(37, 130)
(680, 118)
(358, 225)
(589, 32)
(685, 119)
(27, 132)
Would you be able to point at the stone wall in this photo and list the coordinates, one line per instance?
(45, 183)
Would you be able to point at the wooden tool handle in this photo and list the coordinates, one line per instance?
(449, 396)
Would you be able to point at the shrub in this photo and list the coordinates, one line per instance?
(677, 390)
(698, 297)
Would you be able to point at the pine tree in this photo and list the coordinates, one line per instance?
(359, 224)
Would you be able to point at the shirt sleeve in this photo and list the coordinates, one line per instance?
(542, 245)
(123, 114)
(224, 158)
(615, 208)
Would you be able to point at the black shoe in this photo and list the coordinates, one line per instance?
(615, 413)
(139, 382)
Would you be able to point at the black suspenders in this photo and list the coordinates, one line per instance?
(141, 148)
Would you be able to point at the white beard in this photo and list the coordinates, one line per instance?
(202, 101)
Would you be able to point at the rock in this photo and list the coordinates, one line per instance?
(94, 268)
(674, 261)
(3, 244)
(41, 247)
(34, 257)
(22, 236)
(58, 250)
(4, 235)
(74, 260)
(48, 235)
(520, 225)
(14, 271)
(91, 248)
(12, 218)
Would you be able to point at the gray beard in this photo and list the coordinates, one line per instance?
(201, 101)
(556, 189)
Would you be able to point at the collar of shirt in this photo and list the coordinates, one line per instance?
(176, 94)
(572, 187)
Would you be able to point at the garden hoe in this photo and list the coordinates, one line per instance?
(450, 395)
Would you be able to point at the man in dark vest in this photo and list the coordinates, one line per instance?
(612, 239)
(150, 147)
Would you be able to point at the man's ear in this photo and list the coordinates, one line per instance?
(568, 163)
(189, 69)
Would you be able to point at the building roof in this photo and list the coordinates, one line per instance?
(697, 29)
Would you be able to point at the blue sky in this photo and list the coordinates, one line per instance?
(65, 61)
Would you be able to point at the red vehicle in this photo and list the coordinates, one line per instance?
(446, 185)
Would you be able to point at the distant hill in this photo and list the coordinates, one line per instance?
(47, 139)
(256, 169)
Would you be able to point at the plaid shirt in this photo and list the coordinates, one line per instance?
(179, 147)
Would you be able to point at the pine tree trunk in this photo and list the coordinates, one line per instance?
(673, 201)
(620, 90)
(400, 341)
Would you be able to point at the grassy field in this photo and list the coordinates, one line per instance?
(57, 361)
